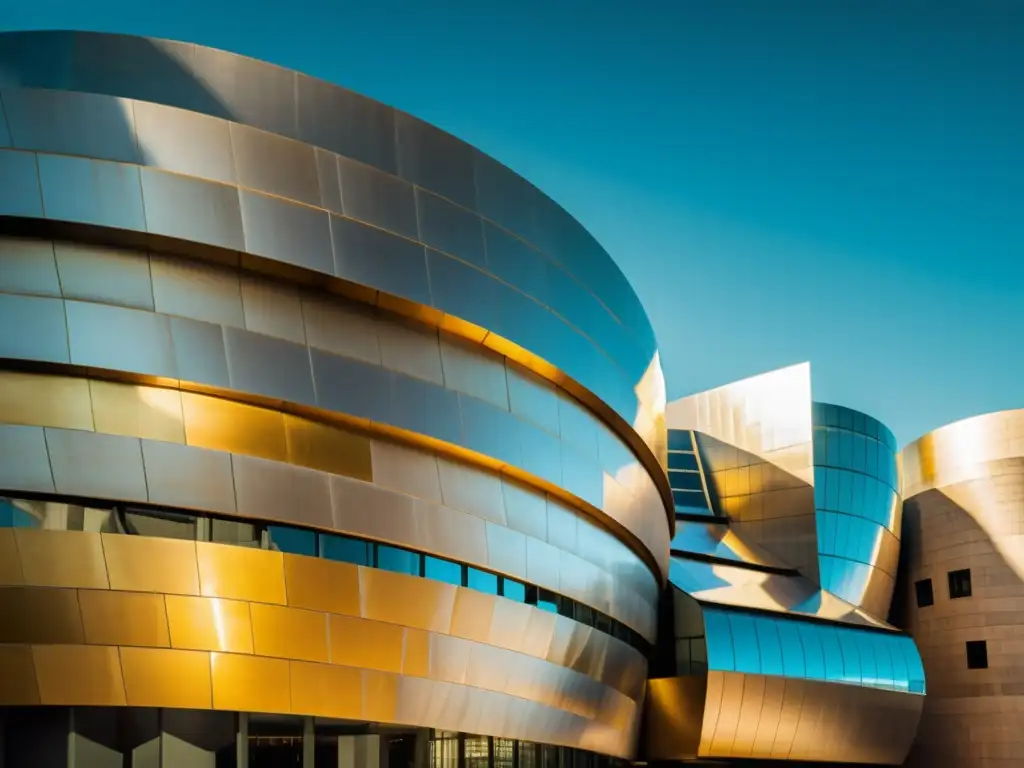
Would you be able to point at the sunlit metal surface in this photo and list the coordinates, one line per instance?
(720, 542)
(87, 622)
(216, 327)
(964, 511)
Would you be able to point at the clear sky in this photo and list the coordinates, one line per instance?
(839, 182)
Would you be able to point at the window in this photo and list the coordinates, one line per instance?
(925, 597)
(482, 581)
(442, 570)
(346, 550)
(977, 654)
(294, 541)
(513, 590)
(398, 560)
(960, 583)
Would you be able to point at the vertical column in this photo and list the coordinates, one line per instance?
(363, 751)
(422, 757)
(308, 743)
(242, 740)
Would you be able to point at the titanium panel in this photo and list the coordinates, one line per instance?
(101, 466)
(411, 349)
(377, 198)
(198, 291)
(451, 229)
(104, 275)
(121, 339)
(28, 267)
(91, 192)
(283, 231)
(378, 259)
(33, 328)
(272, 309)
(205, 155)
(19, 185)
(210, 483)
(191, 209)
(24, 461)
(266, 366)
(435, 160)
(346, 330)
(280, 166)
(199, 353)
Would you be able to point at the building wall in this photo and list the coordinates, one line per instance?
(385, 421)
(965, 511)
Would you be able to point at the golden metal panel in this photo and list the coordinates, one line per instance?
(34, 615)
(472, 615)
(10, 562)
(155, 677)
(290, 633)
(324, 690)
(61, 558)
(322, 585)
(18, 684)
(224, 425)
(147, 412)
(123, 618)
(240, 573)
(367, 644)
(79, 675)
(380, 696)
(45, 401)
(144, 564)
(250, 684)
(327, 448)
(416, 653)
(408, 600)
(209, 624)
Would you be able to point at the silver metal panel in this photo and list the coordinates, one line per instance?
(102, 466)
(33, 328)
(346, 122)
(372, 257)
(450, 228)
(578, 427)
(533, 398)
(411, 349)
(24, 461)
(28, 267)
(491, 431)
(525, 510)
(518, 264)
(344, 329)
(542, 564)
(19, 185)
(69, 123)
(327, 176)
(475, 371)
(377, 198)
(431, 158)
(267, 366)
(5, 135)
(198, 291)
(210, 482)
(541, 453)
(563, 527)
(462, 291)
(426, 408)
(507, 198)
(286, 232)
(273, 309)
(406, 469)
(205, 154)
(349, 386)
(270, 490)
(104, 275)
(122, 339)
(91, 192)
(192, 209)
(274, 164)
(471, 490)
(199, 352)
(506, 549)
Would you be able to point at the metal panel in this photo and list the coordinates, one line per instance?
(287, 232)
(128, 618)
(352, 387)
(474, 371)
(375, 258)
(271, 491)
(462, 291)
(49, 616)
(164, 678)
(411, 349)
(122, 339)
(91, 192)
(46, 401)
(197, 291)
(272, 309)
(518, 264)
(206, 153)
(450, 228)
(24, 462)
(69, 123)
(199, 352)
(102, 466)
(28, 267)
(104, 275)
(289, 632)
(192, 209)
(267, 366)
(19, 185)
(209, 624)
(33, 328)
(79, 675)
(377, 198)
(61, 558)
(274, 164)
(431, 158)
(347, 330)
(237, 573)
(210, 483)
(144, 564)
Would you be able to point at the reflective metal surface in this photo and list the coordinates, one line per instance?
(232, 640)
(190, 116)
(964, 490)
(212, 326)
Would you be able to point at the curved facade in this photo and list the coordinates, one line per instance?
(778, 651)
(322, 434)
(965, 586)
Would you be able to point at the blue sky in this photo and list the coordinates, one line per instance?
(839, 182)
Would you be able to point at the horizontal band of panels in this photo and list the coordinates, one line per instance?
(223, 85)
(147, 592)
(112, 467)
(105, 676)
(965, 450)
(230, 219)
(741, 587)
(763, 717)
(757, 643)
(203, 421)
(229, 359)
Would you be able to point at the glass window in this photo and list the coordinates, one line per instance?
(513, 590)
(550, 756)
(683, 461)
(959, 583)
(848, 644)
(871, 458)
(820, 439)
(444, 750)
(482, 581)
(915, 670)
(831, 652)
(923, 590)
(685, 481)
(868, 665)
(680, 440)
(476, 752)
(792, 649)
(234, 532)
(543, 599)
(719, 641)
(17, 515)
(346, 550)
(294, 541)
(883, 660)
(504, 753)
(398, 560)
(900, 673)
(810, 640)
(832, 448)
(164, 525)
(977, 654)
(584, 614)
(744, 643)
(771, 649)
(441, 570)
(845, 417)
(527, 755)
(832, 490)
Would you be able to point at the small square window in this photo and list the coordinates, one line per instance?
(977, 654)
(925, 596)
(960, 583)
